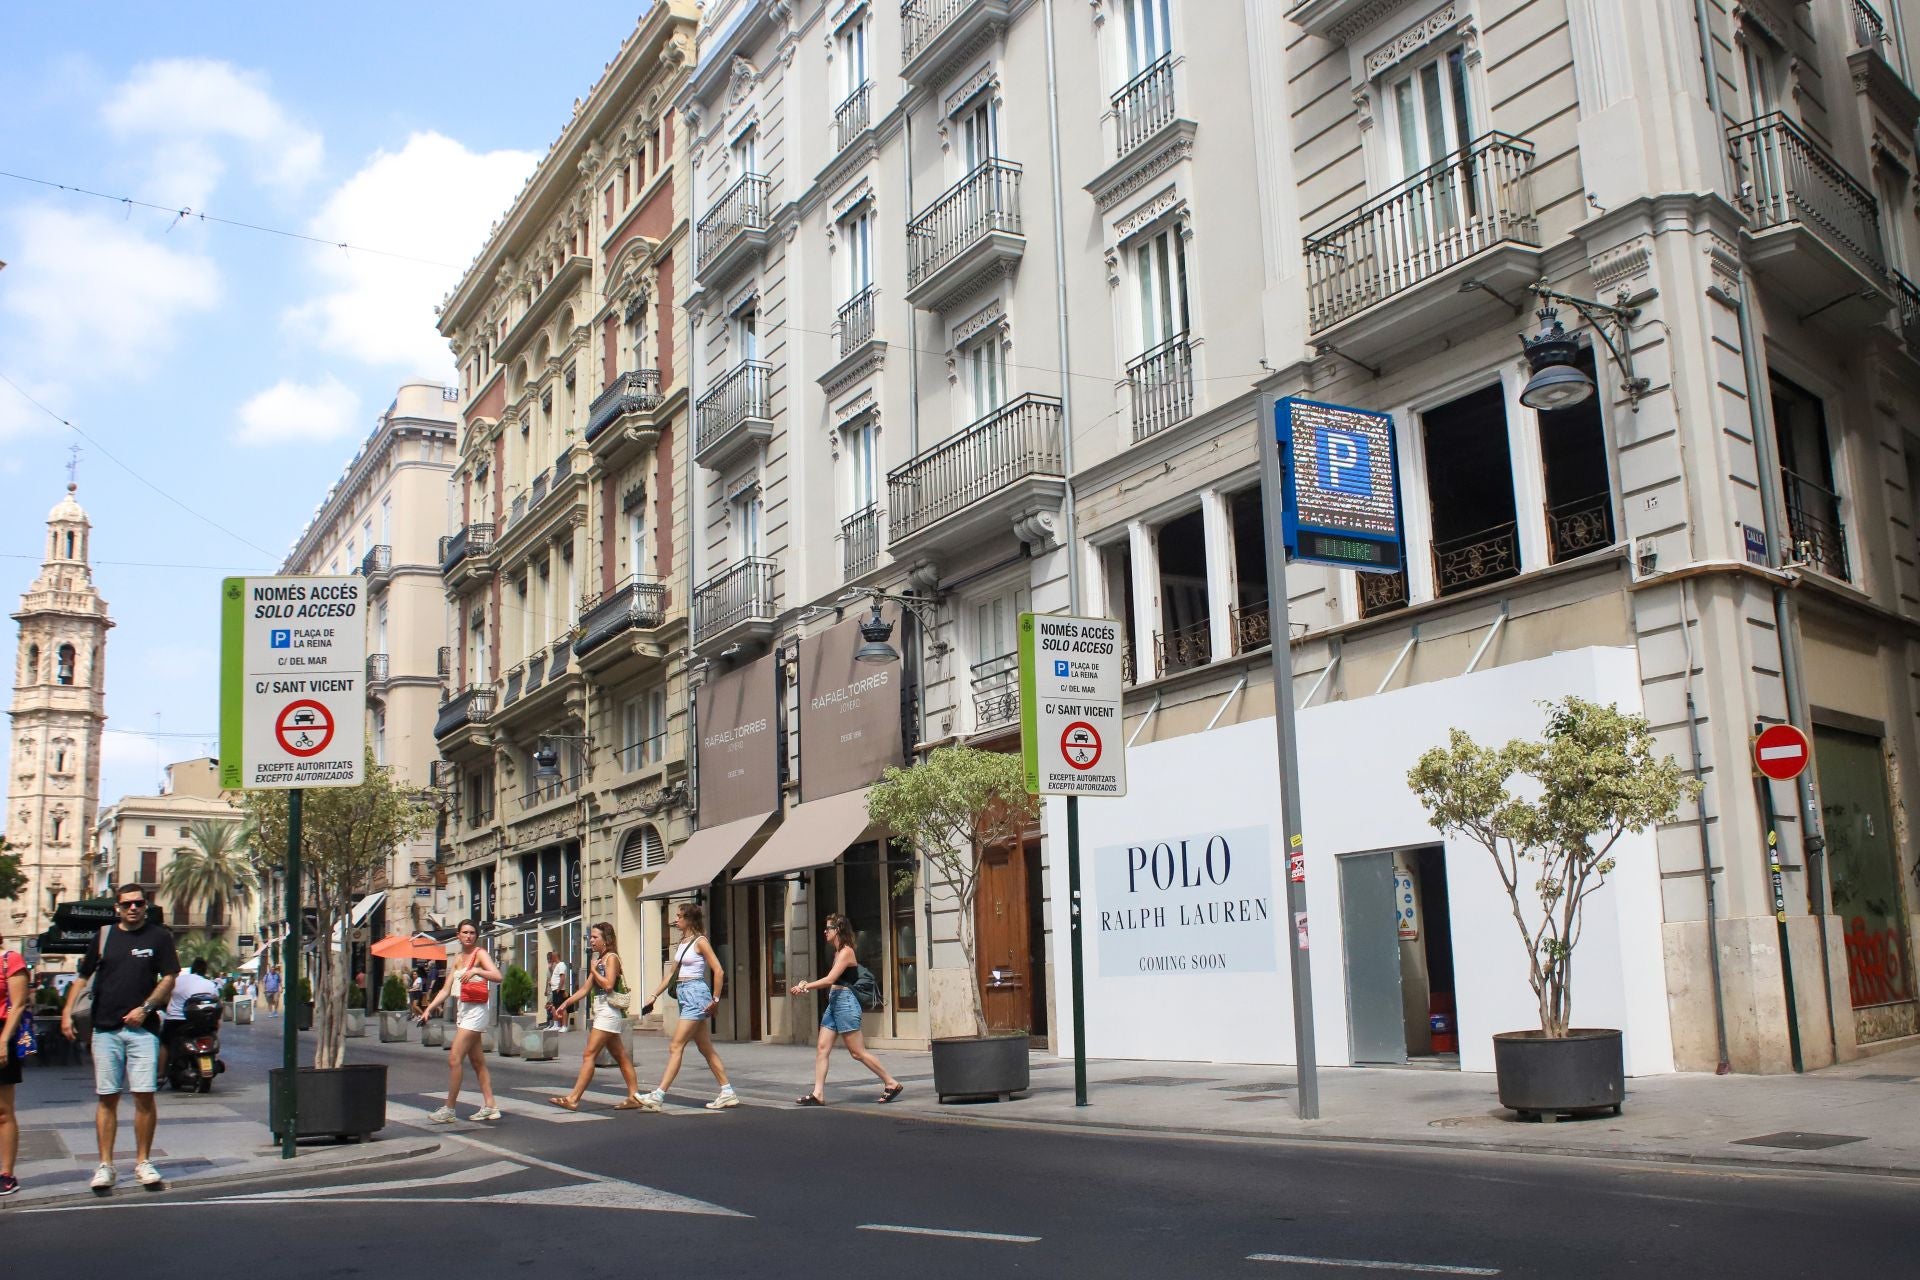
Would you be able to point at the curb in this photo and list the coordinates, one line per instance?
(390, 1153)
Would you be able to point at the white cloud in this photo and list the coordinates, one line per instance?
(89, 296)
(433, 199)
(184, 109)
(291, 412)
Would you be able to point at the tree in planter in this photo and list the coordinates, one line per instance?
(516, 990)
(347, 835)
(356, 997)
(393, 995)
(951, 807)
(1590, 780)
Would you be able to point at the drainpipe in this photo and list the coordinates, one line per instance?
(690, 498)
(1070, 529)
(1813, 842)
(913, 320)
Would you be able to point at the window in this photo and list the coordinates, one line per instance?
(1573, 453)
(59, 759)
(996, 624)
(906, 951)
(1252, 626)
(1186, 617)
(149, 864)
(1470, 491)
(477, 646)
(746, 333)
(856, 234)
(33, 664)
(632, 732)
(366, 531)
(983, 362)
(350, 556)
(1148, 32)
(64, 672)
(59, 820)
(1432, 117)
(746, 154)
(777, 937)
(1807, 474)
(853, 57)
(149, 831)
(386, 510)
(863, 466)
(380, 628)
(746, 509)
(979, 134)
(639, 558)
(1761, 61)
(1161, 265)
(185, 834)
(569, 600)
(379, 736)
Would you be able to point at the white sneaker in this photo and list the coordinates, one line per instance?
(103, 1178)
(727, 1098)
(441, 1115)
(149, 1176)
(486, 1113)
(651, 1101)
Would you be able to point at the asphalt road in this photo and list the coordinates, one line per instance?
(779, 1191)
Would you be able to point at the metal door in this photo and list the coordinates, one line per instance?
(1867, 892)
(1376, 1027)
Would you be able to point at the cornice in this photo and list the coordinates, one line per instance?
(1172, 143)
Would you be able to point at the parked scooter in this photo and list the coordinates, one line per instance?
(194, 1057)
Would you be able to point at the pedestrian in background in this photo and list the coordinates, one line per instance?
(467, 982)
(270, 987)
(132, 966)
(842, 1018)
(14, 1009)
(687, 980)
(558, 980)
(605, 990)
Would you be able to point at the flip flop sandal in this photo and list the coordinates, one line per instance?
(809, 1100)
(563, 1104)
(631, 1104)
(888, 1095)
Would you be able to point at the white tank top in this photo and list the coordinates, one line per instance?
(693, 965)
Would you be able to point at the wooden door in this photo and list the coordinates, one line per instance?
(1002, 948)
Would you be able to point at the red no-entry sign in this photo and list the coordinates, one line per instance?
(1781, 752)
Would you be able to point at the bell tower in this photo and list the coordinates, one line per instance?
(58, 713)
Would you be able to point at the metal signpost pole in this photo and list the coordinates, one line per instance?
(1778, 885)
(1074, 951)
(1299, 966)
(289, 987)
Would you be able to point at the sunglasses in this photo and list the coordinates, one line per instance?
(137, 902)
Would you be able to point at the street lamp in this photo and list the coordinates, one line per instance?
(876, 633)
(1557, 381)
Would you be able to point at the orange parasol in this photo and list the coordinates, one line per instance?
(404, 947)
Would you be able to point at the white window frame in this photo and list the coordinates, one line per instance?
(851, 40)
(983, 371)
(1162, 296)
(856, 239)
(1444, 68)
(860, 448)
(978, 125)
(746, 515)
(1145, 31)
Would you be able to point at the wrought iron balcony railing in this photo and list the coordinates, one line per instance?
(537, 491)
(638, 604)
(472, 705)
(1869, 30)
(851, 118)
(856, 321)
(515, 675)
(996, 691)
(1906, 296)
(443, 661)
(743, 208)
(536, 670)
(562, 658)
(1183, 648)
(1018, 440)
(1472, 200)
(746, 391)
(1581, 526)
(563, 466)
(377, 560)
(376, 668)
(1813, 523)
(860, 542)
(1486, 556)
(552, 789)
(922, 21)
(1162, 385)
(1382, 593)
(1787, 178)
(636, 391)
(516, 512)
(1252, 627)
(455, 547)
(985, 201)
(1143, 106)
(740, 593)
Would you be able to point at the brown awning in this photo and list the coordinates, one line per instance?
(705, 855)
(813, 835)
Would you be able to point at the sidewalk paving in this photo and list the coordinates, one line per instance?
(1860, 1117)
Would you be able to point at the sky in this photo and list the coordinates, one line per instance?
(217, 379)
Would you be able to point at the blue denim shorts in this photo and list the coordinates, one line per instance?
(694, 995)
(125, 1061)
(843, 1011)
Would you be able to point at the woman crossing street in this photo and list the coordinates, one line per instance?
(607, 1021)
(694, 978)
(468, 979)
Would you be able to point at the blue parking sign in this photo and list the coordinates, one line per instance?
(1060, 668)
(1343, 461)
(281, 639)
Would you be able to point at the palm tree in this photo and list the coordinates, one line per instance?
(214, 869)
(200, 946)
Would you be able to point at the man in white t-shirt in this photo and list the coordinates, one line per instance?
(194, 982)
(559, 986)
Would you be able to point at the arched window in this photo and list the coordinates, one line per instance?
(33, 664)
(65, 673)
(59, 820)
(69, 544)
(643, 850)
(59, 759)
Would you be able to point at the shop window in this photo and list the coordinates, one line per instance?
(1814, 527)
(1573, 451)
(866, 905)
(1252, 626)
(906, 950)
(1470, 491)
(777, 937)
(1185, 639)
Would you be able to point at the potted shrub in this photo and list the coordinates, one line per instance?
(517, 995)
(356, 1011)
(303, 1002)
(228, 993)
(950, 808)
(393, 1010)
(1549, 813)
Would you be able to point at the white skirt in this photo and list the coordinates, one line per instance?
(606, 1017)
(472, 1017)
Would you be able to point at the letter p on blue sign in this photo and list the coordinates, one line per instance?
(281, 639)
(1060, 669)
(1342, 458)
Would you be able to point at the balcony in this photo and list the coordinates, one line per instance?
(443, 662)
(736, 604)
(377, 671)
(973, 228)
(1382, 592)
(1183, 648)
(856, 322)
(464, 555)
(860, 543)
(735, 415)
(516, 675)
(1143, 107)
(997, 472)
(1490, 555)
(1162, 386)
(544, 792)
(470, 709)
(1813, 231)
(577, 269)
(1906, 298)
(536, 671)
(637, 605)
(1580, 527)
(377, 565)
(853, 117)
(623, 413)
(1428, 256)
(733, 230)
(1869, 30)
(1814, 527)
(935, 33)
(563, 466)
(536, 492)
(1252, 627)
(996, 692)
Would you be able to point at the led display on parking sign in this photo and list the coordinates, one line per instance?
(1342, 506)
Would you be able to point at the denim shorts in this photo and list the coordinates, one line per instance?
(694, 995)
(843, 1011)
(125, 1061)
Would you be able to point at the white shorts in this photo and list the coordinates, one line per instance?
(606, 1017)
(472, 1017)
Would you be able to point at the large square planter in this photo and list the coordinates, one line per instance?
(356, 1024)
(393, 1026)
(512, 1028)
(982, 1067)
(343, 1102)
(1542, 1077)
(540, 1045)
(434, 1034)
(243, 1011)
